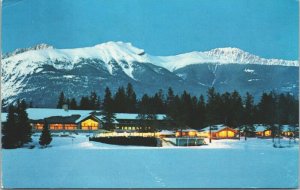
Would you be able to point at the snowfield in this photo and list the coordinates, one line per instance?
(75, 162)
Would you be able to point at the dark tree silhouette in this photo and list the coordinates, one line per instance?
(108, 114)
(45, 138)
(10, 137)
(61, 100)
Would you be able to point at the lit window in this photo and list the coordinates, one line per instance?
(89, 125)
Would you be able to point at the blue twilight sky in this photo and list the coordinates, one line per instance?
(268, 28)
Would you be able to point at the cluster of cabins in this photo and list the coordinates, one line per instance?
(88, 120)
(258, 130)
(85, 120)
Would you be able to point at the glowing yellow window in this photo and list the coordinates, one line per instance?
(39, 126)
(70, 126)
(89, 125)
(192, 133)
(268, 133)
(224, 134)
(56, 126)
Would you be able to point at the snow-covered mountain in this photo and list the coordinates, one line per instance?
(43, 71)
(219, 55)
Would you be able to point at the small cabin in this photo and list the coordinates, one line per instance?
(220, 131)
(89, 122)
(289, 130)
(186, 133)
(263, 131)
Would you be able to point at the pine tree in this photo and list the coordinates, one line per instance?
(186, 110)
(84, 103)
(30, 104)
(98, 104)
(108, 115)
(73, 104)
(214, 107)
(24, 127)
(131, 99)
(93, 101)
(248, 114)
(120, 101)
(45, 138)
(158, 102)
(9, 130)
(267, 111)
(170, 108)
(143, 110)
(67, 102)
(236, 109)
(201, 112)
(61, 100)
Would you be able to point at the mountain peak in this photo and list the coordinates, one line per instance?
(22, 50)
(123, 51)
(231, 55)
(228, 50)
(120, 46)
(41, 46)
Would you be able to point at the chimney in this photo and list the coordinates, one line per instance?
(65, 107)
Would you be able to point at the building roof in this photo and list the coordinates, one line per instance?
(3, 117)
(167, 132)
(289, 128)
(260, 127)
(134, 116)
(98, 117)
(188, 130)
(41, 113)
(62, 119)
(214, 128)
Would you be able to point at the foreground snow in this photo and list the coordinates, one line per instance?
(80, 163)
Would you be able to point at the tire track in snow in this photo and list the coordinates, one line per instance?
(158, 180)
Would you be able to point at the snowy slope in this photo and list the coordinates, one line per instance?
(220, 55)
(77, 163)
(43, 71)
(120, 51)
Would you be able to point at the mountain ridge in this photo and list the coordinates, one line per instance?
(127, 52)
(80, 70)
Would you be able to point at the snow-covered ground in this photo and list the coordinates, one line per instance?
(75, 162)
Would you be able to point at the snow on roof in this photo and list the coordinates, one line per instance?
(260, 127)
(3, 117)
(188, 130)
(214, 128)
(83, 117)
(41, 113)
(100, 117)
(135, 116)
(288, 128)
(167, 132)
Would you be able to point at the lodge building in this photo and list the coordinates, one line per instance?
(86, 120)
(218, 132)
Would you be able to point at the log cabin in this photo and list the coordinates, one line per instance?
(263, 131)
(289, 130)
(220, 131)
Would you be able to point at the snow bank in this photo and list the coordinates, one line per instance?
(78, 163)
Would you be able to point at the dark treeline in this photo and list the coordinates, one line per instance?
(17, 130)
(184, 110)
